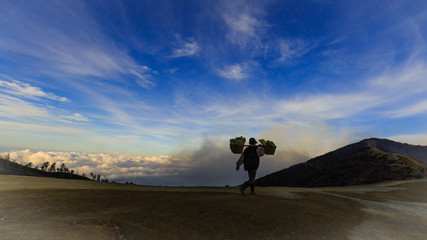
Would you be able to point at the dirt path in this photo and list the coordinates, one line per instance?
(391, 210)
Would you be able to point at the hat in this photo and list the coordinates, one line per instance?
(252, 141)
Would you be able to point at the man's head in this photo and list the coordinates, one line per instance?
(252, 141)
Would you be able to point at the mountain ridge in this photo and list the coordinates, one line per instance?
(415, 151)
(368, 161)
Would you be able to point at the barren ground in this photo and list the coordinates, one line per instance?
(46, 208)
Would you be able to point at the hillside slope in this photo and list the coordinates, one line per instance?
(368, 161)
(414, 151)
(10, 168)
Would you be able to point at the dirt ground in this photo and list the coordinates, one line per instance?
(46, 208)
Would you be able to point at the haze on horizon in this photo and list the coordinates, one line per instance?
(152, 91)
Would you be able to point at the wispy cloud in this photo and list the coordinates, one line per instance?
(238, 71)
(396, 93)
(244, 26)
(185, 48)
(21, 89)
(410, 110)
(57, 46)
(76, 117)
(144, 76)
(406, 79)
(330, 106)
(292, 49)
(386, 92)
(22, 100)
(13, 108)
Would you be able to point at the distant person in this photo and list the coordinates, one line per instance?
(250, 161)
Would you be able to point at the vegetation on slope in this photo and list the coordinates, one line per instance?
(8, 167)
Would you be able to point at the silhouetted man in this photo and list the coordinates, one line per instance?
(250, 161)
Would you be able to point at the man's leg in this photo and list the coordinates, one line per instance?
(253, 189)
(252, 175)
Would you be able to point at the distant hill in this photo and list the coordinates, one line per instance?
(368, 161)
(11, 168)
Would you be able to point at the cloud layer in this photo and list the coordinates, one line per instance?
(112, 166)
(211, 164)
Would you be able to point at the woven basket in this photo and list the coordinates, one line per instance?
(237, 149)
(269, 150)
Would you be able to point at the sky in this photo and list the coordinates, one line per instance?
(152, 91)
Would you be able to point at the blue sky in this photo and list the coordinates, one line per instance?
(177, 78)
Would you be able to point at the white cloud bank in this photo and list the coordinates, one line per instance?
(111, 166)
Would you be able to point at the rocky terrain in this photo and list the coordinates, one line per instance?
(368, 161)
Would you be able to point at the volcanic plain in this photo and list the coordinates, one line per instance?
(49, 208)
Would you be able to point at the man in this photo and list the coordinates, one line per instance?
(250, 160)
